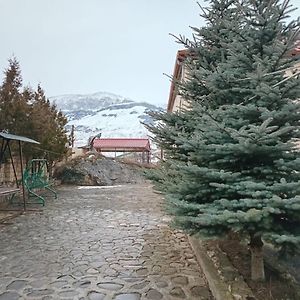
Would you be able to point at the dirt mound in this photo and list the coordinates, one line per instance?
(98, 170)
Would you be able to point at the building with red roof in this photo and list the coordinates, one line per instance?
(125, 145)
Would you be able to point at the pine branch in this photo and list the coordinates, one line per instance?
(205, 15)
(273, 86)
(286, 79)
(268, 74)
(182, 40)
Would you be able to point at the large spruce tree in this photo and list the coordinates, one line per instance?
(232, 159)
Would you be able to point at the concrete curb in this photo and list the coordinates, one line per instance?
(222, 289)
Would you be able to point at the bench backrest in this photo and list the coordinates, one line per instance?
(36, 174)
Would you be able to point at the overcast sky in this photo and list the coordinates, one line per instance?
(87, 46)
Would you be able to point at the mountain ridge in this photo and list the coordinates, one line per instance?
(112, 115)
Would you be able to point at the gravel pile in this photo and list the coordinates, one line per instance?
(98, 170)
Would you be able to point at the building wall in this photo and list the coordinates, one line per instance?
(293, 70)
(178, 101)
(177, 104)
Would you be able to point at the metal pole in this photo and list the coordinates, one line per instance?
(13, 165)
(23, 188)
(2, 151)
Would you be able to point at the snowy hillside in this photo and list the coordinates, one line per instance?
(110, 114)
(91, 102)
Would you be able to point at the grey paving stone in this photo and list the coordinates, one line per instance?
(38, 293)
(154, 294)
(161, 284)
(140, 286)
(38, 283)
(84, 283)
(9, 296)
(92, 271)
(17, 285)
(201, 292)
(110, 286)
(68, 294)
(142, 272)
(178, 292)
(128, 296)
(59, 283)
(182, 280)
(96, 296)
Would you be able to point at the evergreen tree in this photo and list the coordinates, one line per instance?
(13, 106)
(26, 112)
(238, 167)
(48, 126)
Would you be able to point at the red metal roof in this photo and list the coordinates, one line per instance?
(122, 144)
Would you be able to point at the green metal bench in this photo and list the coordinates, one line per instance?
(36, 178)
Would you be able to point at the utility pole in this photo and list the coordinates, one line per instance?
(72, 137)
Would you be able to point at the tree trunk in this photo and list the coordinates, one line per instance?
(257, 259)
(233, 236)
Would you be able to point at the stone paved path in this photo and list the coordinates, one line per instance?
(98, 243)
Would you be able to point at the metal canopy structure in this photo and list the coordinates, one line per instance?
(5, 146)
(122, 144)
(8, 136)
(141, 145)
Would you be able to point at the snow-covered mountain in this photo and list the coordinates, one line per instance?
(105, 113)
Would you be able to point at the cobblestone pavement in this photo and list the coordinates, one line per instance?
(98, 243)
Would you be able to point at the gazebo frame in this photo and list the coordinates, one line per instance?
(5, 145)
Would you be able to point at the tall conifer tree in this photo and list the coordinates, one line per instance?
(48, 126)
(13, 106)
(24, 111)
(238, 168)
